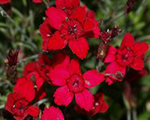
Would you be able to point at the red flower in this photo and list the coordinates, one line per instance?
(52, 113)
(100, 106)
(130, 54)
(60, 29)
(19, 106)
(72, 82)
(4, 1)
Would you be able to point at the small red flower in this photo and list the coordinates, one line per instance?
(99, 106)
(60, 29)
(19, 106)
(4, 1)
(72, 82)
(52, 113)
(130, 54)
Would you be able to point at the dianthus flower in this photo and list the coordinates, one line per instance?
(52, 113)
(129, 54)
(62, 27)
(19, 102)
(20, 107)
(72, 83)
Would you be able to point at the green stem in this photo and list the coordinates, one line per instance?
(134, 114)
(128, 114)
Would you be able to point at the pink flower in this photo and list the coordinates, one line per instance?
(73, 83)
(52, 113)
(130, 54)
(60, 29)
(100, 106)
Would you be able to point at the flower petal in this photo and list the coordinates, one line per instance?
(33, 111)
(25, 88)
(79, 47)
(4, 1)
(110, 57)
(35, 78)
(137, 64)
(74, 66)
(56, 42)
(63, 96)
(52, 113)
(29, 67)
(60, 59)
(56, 17)
(79, 14)
(67, 4)
(85, 100)
(88, 25)
(93, 78)
(128, 40)
(140, 48)
(110, 80)
(45, 30)
(115, 72)
(59, 75)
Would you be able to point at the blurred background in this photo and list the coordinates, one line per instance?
(19, 30)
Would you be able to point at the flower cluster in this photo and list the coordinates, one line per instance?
(70, 23)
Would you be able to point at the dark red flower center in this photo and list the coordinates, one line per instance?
(76, 83)
(19, 107)
(125, 56)
(71, 29)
